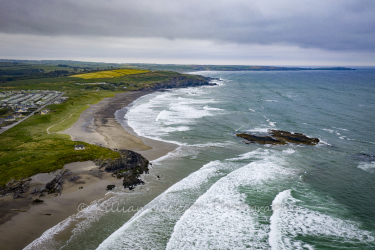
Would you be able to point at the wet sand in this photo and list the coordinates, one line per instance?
(22, 222)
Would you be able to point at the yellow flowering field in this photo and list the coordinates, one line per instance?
(110, 73)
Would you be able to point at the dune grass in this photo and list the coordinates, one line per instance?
(28, 149)
(110, 73)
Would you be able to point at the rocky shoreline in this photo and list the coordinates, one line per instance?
(130, 165)
(180, 82)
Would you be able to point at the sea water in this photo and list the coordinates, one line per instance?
(224, 194)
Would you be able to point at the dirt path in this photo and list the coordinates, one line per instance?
(58, 123)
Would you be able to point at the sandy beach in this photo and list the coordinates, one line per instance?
(21, 221)
(98, 125)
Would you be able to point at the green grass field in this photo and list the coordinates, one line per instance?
(27, 148)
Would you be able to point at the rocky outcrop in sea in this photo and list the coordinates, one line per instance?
(278, 137)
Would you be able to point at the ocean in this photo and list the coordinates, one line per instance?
(219, 193)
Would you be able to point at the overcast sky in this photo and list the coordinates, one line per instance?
(250, 32)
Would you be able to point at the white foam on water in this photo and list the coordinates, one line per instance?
(211, 108)
(367, 166)
(180, 151)
(214, 144)
(329, 130)
(158, 115)
(290, 220)
(151, 226)
(344, 129)
(196, 179)
(75, 225)
(197, 91)
(289, 151)
(272, 124)
(252, 110)
(180, 113)
(221, 219)
(142, 115)
(323, 143)
(259, 130)
(48, 237)
(174, 129)
(257, 154)
(220, 82)
(270, 100)
(341, 137)
(193, 150)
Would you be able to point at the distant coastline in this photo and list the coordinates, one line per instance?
(66, 65)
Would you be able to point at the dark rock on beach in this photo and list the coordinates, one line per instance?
(75, 178)
(17, 187)
(279, 137)
(35, 191)
(37, 201)
(129, 167)
(56, 185)
(128, 160)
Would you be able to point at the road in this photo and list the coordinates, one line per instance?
(5, 128)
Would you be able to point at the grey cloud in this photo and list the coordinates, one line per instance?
(332, 25)
(159, 50)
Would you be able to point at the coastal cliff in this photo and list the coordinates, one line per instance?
(180, 82)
